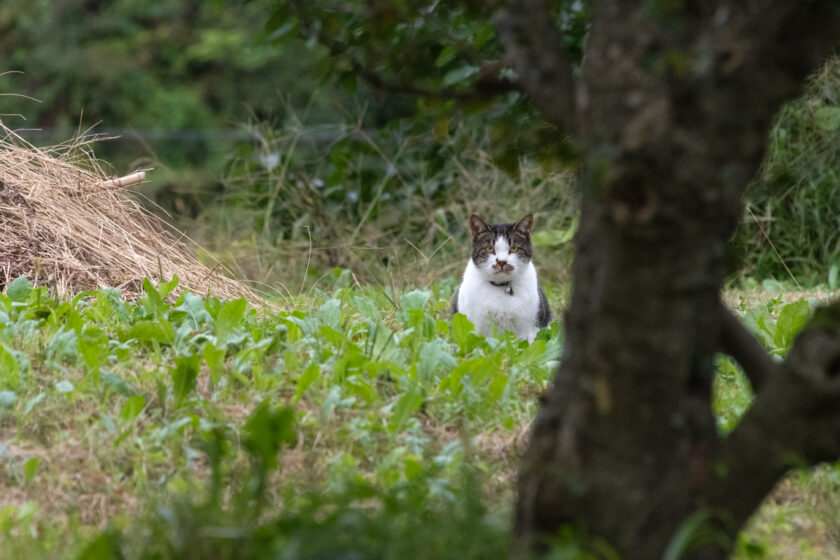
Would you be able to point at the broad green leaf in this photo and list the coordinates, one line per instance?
(7, 399)
(229, 317)
(330, 314)
(446, 54)
(64, 386)
(93, 346)
(193, 306)
(478, 369)
(9, 369)
(415, 299)
(357, 385)
(106, 546)
(184, 376)
(463, 333)
(459, 74)
(555, 237)
(367, 308)
(33, 402)
(406, 406)
(791, 320)
(30, 468)
(266, 430)
(435, 357)
(305, 380)
(155, 302)
(18, 289)
(165, 288)
(160, 331)
(215, 358)
(133, 407)
(63, 346)
(117, 384)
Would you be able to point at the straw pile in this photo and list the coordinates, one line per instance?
(64, 224)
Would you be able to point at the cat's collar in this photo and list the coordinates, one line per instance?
(506, 285)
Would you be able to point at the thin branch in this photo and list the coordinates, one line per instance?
(739, 343)
(488, 84)
(535, 48)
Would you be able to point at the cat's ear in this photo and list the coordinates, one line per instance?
(477, 225)
(524, 225)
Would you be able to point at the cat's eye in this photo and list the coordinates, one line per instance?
(489, 251)
(514, 249)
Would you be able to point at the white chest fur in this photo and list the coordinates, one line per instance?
(486, 305)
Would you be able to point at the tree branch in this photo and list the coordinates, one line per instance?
(794, 421)
(535, 48)
(739, 343)
(488, 84)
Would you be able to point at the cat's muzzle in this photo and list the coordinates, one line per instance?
(502, 268)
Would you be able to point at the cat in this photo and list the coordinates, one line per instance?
(500, 286)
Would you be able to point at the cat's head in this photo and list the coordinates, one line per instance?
(501, 251)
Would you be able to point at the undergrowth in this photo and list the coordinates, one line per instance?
(363, 424)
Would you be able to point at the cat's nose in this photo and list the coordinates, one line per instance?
(500, 262)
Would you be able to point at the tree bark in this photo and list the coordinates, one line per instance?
(673, 105)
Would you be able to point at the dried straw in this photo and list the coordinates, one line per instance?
(64, 224)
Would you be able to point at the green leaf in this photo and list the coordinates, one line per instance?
(463, 333)
(554, 237)
(160, 331)
(459, 74)
(832, 276)
(63, 346)
(415, 299)
(64, 386)
(193, 306)
(9, 368)
(133, 407)
(306, 379)
(184, 376)
(791, 320)
(215, 358)
(828, 118)
(435, 356)
(266, 430)
(230, 315)
(106, 546)
(18, 289)
(406, 406)
(7, 399)
(330, 314)
(445, 56)
(165, 288)
(155, 302)
(30, 468)
(117, 384)
(367, 308)
(33, 402)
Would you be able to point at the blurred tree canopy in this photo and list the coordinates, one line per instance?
(447, 54)
(170, 64)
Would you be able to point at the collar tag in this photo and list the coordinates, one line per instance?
(506, 285)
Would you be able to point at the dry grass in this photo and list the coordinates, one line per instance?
(64, 224)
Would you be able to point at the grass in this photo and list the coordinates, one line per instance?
(362, 423)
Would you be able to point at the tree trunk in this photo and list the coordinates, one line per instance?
(673, 106)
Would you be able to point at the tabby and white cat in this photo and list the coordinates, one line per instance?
(500, 286)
